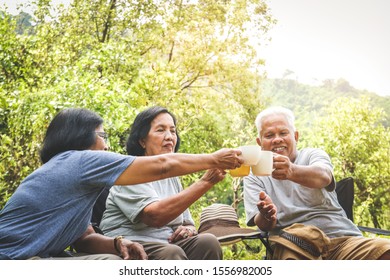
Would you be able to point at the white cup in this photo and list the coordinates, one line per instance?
(250, 154)
(264, 166)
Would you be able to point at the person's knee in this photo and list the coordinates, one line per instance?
(173, 252)
(106, 257)
(208, 239)
(210, 245)
(285, 253)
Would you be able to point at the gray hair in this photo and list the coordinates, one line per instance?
(287, 113)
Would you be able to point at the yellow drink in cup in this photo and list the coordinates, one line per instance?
(241, 171)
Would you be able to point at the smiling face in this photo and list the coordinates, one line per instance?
(162, 137)
(278, 136)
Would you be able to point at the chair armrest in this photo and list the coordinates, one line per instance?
(375, 230)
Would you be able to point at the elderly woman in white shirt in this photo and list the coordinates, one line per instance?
(156, 214)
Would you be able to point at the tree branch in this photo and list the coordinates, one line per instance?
(107, 25)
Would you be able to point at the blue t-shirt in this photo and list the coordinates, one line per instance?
(52, 207)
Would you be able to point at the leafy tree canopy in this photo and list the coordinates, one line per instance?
(201, 60)
(118, 57)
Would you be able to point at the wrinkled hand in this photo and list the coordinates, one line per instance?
(213, 176)
(266, 207)
(283, 167)
(131, 250)
(182, 232)
(228, 158)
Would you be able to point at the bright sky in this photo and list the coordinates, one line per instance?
(331, 39)
(326, 39)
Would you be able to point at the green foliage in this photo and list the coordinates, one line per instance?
(358, 143)
(244, 250)
(308, 102)
(118, 57)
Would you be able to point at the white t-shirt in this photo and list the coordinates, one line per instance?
(298, 204)
(125, 203)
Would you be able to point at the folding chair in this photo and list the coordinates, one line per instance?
(221, 220)
(98, 210)
(345, 195)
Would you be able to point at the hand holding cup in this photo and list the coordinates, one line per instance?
(250, 155)
(228, 158)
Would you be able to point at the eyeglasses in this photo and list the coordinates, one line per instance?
(103, 135)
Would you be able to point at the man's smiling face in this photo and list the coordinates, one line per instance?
(278, 136)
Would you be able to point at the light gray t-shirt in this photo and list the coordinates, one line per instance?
(125, 203)
(298, 204)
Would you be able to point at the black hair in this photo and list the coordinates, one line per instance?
(140, 129)
(71, 129)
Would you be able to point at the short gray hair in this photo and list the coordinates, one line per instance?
(277, 110)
